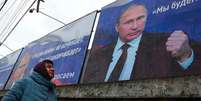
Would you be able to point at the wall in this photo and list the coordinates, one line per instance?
(167, 89)
(181, 87)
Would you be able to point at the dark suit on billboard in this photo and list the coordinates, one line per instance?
(152, 60)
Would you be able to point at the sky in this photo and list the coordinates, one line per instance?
(35, 25)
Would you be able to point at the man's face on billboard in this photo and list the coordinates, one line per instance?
(132, 23)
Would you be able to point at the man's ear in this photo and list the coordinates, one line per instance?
(116, 28)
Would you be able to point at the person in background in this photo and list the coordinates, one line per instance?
(36, 87)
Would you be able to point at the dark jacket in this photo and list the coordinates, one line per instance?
(32, 88)
(152, 60)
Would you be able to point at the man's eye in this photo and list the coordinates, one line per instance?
(128, 22)
(141, 17)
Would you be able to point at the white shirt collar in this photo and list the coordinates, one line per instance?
(133, 43)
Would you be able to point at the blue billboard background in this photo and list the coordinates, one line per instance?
(68, 59)
(66, 46)
(6, 66)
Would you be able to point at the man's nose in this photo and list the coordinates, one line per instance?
(134, 25)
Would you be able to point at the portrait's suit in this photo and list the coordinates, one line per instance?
(152, 60)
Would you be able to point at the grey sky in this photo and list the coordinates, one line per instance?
(35, 25)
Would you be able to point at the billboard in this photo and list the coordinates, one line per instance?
(6, 66)
(66, 47)
(18, 70)
(146, 39)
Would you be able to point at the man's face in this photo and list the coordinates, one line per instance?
(50, 70)
(132, 23)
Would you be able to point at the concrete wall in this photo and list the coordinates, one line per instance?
(166, 89)
(181, 87)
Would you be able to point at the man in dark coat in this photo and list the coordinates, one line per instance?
(36, 87)
(150, 55)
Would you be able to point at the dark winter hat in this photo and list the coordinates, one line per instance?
(40, 68)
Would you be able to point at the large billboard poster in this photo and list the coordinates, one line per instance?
(18, 70)
(66, 47)
(6, 66)
(141, 39)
